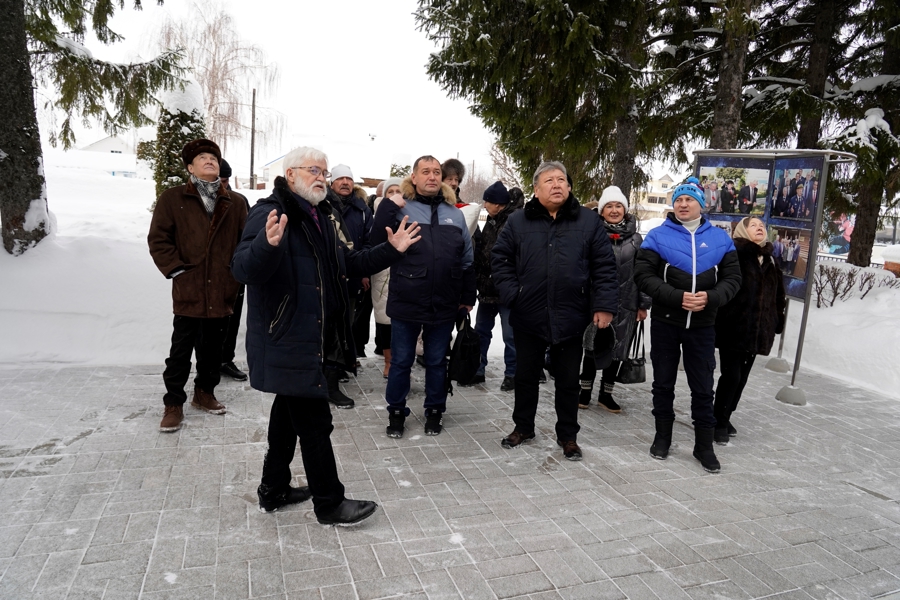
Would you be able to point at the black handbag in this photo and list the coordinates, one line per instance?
(633, 368)
(465, 357)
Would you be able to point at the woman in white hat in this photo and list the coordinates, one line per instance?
(622, 230)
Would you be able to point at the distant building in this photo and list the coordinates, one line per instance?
(654, 199)
(112, 144)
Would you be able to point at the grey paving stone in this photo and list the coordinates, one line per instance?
(96, 503)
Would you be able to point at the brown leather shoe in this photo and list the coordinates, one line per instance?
(570, 449)
(516, 438)
(207, 402)
(172, 418)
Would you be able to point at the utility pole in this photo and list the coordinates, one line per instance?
(253, 141)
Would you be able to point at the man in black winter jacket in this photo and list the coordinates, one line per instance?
(554, 267)
(295, 264)
(499, 206)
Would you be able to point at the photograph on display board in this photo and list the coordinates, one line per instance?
(796, 188)
(735, 186)
(839, 243)
(790, 249)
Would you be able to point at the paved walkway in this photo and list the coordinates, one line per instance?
(96, 503)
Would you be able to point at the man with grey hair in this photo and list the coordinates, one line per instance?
(554, 267)
(295, 262)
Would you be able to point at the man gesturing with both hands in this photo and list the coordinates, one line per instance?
(295, 263)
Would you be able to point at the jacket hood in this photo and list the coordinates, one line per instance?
(569, 210)
(409, 191)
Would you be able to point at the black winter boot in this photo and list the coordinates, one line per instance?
(703, 448)
(663, 439)
(721, 436)
(335, 395)
(584, 398)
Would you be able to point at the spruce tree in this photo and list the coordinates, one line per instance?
(173, 131)
(552, 80)
(40, 42)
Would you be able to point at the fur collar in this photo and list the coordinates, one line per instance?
(750, 248)
(409, 191)
(569, 210)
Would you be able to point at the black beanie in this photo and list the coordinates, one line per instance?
(224, 169)
(496, 194)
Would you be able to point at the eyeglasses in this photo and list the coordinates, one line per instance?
(315, 171)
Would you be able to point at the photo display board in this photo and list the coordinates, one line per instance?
(781, 192)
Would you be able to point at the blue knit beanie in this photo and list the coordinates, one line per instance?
(691, 188)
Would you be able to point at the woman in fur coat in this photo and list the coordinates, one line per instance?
(747, 325)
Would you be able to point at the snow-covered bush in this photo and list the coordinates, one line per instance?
(840, 281)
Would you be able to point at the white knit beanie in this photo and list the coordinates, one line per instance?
(341, 171)
(611, 194)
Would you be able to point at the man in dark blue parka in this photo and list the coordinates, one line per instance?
(295, 263)
(554, 267)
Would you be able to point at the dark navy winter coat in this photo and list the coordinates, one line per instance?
(672, 261)
(357, 218)
(437, 274)
(555, 273)
(286, 349)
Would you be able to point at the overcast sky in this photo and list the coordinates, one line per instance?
(349, 68)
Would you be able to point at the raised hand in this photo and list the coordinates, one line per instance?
(275, 227)
(406, 236)
(398, 200)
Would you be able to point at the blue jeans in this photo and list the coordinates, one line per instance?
(435, 339)
(699, 346)
(484, 326)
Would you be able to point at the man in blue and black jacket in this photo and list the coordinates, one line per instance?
(429, 286)
(689, 268)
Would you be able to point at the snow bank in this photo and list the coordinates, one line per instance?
(89, 294)
(854, 341)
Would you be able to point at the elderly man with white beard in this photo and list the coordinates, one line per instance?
(295, 264)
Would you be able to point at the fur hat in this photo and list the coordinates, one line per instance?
(611, 194)
(496, 194)
(224, 169)
(691, 188)
(341, 171)
(192, 149)
(453, 166)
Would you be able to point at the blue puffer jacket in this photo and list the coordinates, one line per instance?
(437, 274)
(672, 261)
(286, 299)
(555, 273)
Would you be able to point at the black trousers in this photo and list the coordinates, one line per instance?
(699, 346)
(234, 323)
(383, 336)
(309, 420)
(566, 359)
(736, 366)
(362, 315)
(190, 334)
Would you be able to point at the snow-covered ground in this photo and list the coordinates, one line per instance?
(92, 295)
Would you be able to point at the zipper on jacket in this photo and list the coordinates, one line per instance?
(321, 292)
(278, 313)
(666, 274)
(687, 323)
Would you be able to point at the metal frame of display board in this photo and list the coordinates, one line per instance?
(791, 394)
